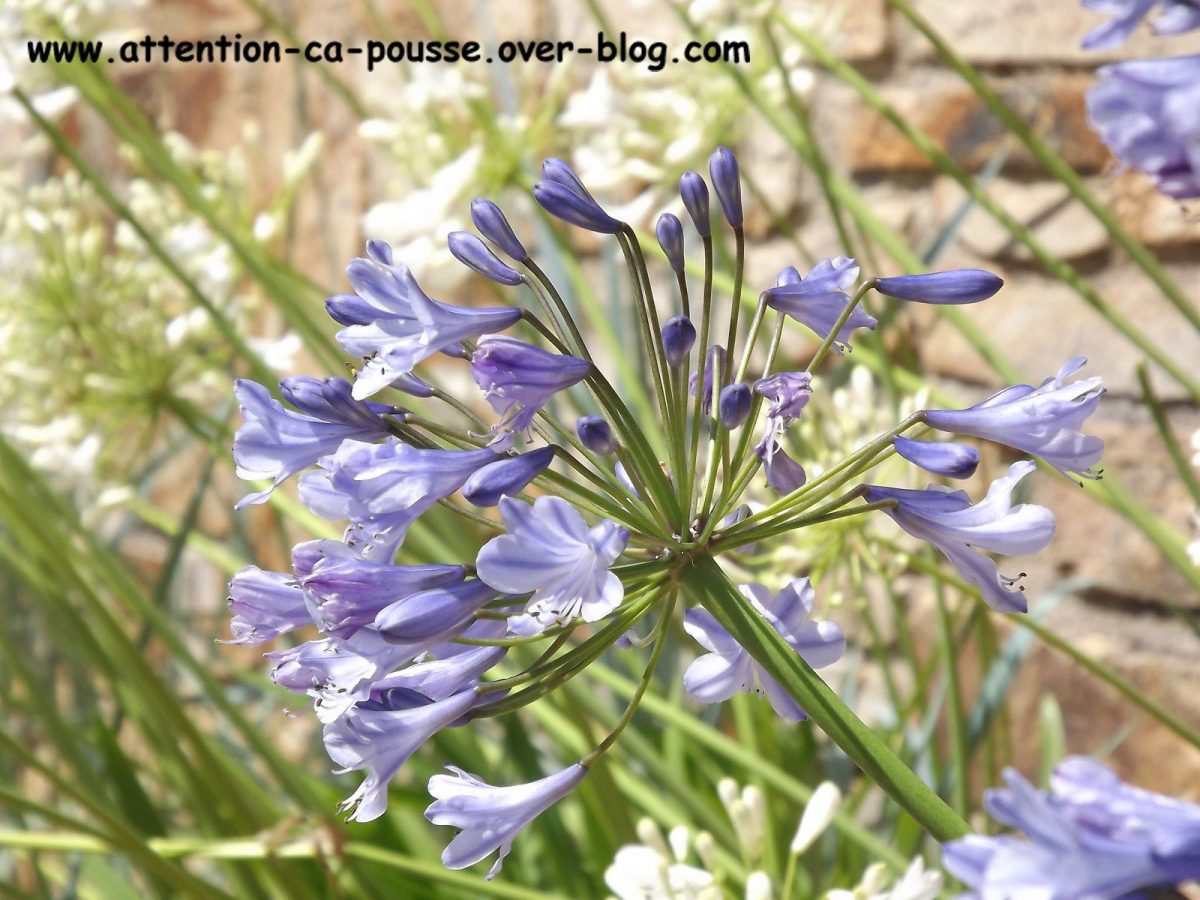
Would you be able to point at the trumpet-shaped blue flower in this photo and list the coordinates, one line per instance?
(1148, 113)
(551, 552)
(948, 521)
(727, 669)
(1044, 421)
(1175, 17)
(264, 605)
(276, 443)
(393, 324)
(382, 488)
(518, 378)
(1089, 836)
(490, 818)
(817, 300)
(379, 736)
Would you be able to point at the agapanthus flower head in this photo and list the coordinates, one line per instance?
(591, 531)
(1090, 835)
(1174, 17)
(1148, 113)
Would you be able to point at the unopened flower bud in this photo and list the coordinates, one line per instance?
(723, 169)
(493, 225)
(595, 434)
(474, 254)
(669, 231)
(678, 336)
(947, 288)
(733, 406)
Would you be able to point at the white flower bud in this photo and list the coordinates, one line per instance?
(818, 813)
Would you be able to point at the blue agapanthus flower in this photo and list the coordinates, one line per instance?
(579, 520)
(1171, 17)
(1148, 113)
(1090, 837)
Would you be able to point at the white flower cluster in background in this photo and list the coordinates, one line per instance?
(100, 345)
(666, 869)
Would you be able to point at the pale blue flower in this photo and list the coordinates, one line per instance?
(550, 552)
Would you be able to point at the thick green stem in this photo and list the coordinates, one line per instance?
(713, 589)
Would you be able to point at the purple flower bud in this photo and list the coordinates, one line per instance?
(380, 252)
(474, 254)
(563, 195)
(492, 224)
(947, 288)
(596, 434)
(678, 336)
(723, 168)
(694, 191)
(507, 476)
(410, 384)
(950, 460)
(733, 406)
(264, 605)
(714, 362)
(670, 237)
(433, 613)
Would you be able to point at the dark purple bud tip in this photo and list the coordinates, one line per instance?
(508, 476)
(678, 336)
(492, 224)
(432, 613)
(474, 254)
(940, 458)
(581, 210)
(670, 237)
(694, 192)
(733, 406)
(595, 434)
(723, 168)
(951, 288)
